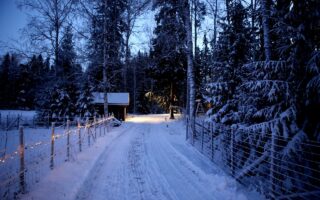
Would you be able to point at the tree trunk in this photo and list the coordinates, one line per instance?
(56, 38)
(56, 51)
(134, 89)
(215, 23)
(190, 69)
(171, 101)
(127, 49)
(228, 10)
(105, 78)
(265, 6)
(188, 100)
(195, 29)
(253, 11)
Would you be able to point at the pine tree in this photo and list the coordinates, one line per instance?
(168, 54)
(13, 82)
(106, 40)
(229, 54)
(4, 80)
(204, 75)
(25, 95)
(62, 102)
(85, 107)
(69, 74)
(139, 83)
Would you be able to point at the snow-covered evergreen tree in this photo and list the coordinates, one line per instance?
(62, 102)
(85, 106)
(229, 54)
(168, 53)
(106, 41)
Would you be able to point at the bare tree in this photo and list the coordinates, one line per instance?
(133, 10)
(47, 21)
(212, 9)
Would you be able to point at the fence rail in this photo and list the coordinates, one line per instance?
(31, 160)
(275, 166)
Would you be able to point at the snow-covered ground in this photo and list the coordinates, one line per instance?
(145, 158)
(9, 118)
(37, 152)
(24, 113)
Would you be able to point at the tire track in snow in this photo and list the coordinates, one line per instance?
(177, 175)
(93, 184)
(150, 182)
(142, 163)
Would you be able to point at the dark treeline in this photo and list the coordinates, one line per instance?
(20, 82)
(261, 63)
(60, 86)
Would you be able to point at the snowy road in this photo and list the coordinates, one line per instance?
(150, 160)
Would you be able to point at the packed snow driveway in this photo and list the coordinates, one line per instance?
(151, 160)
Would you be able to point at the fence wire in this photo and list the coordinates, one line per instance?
(270, 164)
(39, 157)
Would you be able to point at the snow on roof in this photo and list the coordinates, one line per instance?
(113, 98)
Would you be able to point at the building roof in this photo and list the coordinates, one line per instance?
(119, 99)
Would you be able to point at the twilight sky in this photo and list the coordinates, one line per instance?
(11, 20)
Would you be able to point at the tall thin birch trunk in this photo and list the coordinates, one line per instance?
(127, 48)
(105, 78)
(190, 69)
(253, 9)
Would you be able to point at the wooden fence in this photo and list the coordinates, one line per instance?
(24, 166)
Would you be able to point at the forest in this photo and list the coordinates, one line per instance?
(255, 68)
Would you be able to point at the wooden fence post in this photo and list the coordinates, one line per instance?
(100, 131)
(272, 163)
(52, 146)
(88, 131)
(48, 120)
(22, 167)
(187, 128)
(94, 126)
(233, 130)
(79, 134)
(212, 145)
(104, 125)
(18, 121)
(193, 128)
(68, 140)
(202, 135)
(107, 125)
